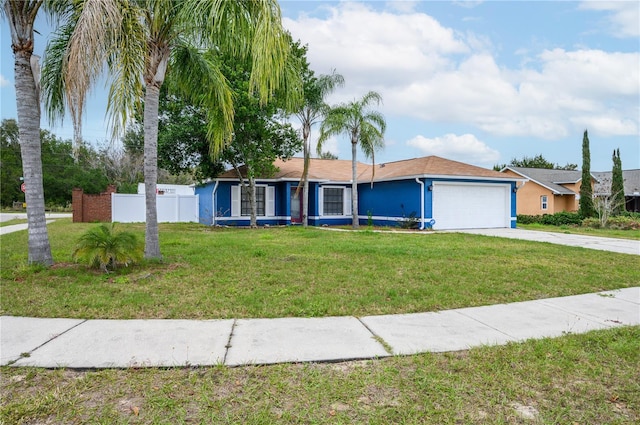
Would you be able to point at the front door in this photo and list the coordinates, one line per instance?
(296, 206)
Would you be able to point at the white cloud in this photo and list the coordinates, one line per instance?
(427, 71)
(623, 18)
(375, 50)
(3, 81)
(464, 148)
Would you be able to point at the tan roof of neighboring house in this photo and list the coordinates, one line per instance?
(340, 170)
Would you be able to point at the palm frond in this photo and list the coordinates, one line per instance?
(198, 77)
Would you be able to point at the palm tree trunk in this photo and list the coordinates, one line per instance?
(305, 185)
(28, 105)
(152, 242)
(354, 187)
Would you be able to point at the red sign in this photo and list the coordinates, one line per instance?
(23, 187)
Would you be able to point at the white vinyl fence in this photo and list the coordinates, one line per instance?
(127, 208)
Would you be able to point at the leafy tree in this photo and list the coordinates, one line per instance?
(311, 112)
(364, 126)
(537, 161)
(121, 166)
(617, 184)
(60, 172)
(21, 15)
(153, 39)
(586, 192)
(259, 137)
(10, 164)
(183, 146)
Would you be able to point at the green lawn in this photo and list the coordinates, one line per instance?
(576, 379)
(579, 230)
(280, 272)
(220, 273)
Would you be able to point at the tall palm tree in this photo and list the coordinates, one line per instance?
(143, 41)
(364, 126)
(310, 113)
(21, 15)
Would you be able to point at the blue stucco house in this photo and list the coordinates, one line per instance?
(432, 191)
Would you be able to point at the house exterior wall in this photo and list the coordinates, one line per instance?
(529, 198)
(388, 202)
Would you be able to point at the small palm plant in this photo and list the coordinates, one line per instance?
(103, 248)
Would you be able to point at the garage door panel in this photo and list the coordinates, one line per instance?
(471, 205)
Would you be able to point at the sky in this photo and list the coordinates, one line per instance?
(480, 82)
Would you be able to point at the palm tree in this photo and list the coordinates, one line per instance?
(143, 41)
(104, 248)
(21, 15)
(312, 111)
(365, 127)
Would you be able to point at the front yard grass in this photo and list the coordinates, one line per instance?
(575, 379)
(580, 230)
(211, 273)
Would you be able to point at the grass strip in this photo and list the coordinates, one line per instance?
(587, 379)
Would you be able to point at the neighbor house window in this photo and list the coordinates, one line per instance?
(543, 202)
(333, 201)
(260, 201)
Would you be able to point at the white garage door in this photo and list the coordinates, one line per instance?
(471, 205)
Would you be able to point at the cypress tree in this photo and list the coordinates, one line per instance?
(586, 192)
(617, 184)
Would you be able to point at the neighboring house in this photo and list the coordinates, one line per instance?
(547, 191)
(433, 191)
(631, 182)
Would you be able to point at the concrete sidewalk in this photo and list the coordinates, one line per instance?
(6, 217)
(77, 343)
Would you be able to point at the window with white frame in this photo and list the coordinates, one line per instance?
(543, 202)
(265, 201)
(245, 204)
(335, 200)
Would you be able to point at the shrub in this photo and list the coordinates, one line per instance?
(101, 247)
(563, 218)
(410, 222)
(623, 223)
(591, 222)
(560, 218)
(528, 219)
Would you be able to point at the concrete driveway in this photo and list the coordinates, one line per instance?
(624, 246)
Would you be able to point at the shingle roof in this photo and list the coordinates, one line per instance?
(551, 179)
(340, 170)
(631, 179)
